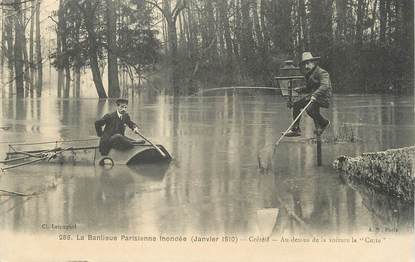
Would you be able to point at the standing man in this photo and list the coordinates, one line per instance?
(317, 89)
(113, 134)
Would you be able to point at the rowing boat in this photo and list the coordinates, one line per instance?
(140, 153)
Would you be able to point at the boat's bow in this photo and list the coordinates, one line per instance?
(139, 154)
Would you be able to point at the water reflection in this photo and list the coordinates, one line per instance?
(213, 185)
(387, 214)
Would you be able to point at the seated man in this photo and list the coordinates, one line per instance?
(113, 134)
(317, 89)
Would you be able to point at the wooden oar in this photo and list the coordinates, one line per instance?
(148, 141)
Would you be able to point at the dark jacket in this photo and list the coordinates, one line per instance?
(113, 125)
(318, 84)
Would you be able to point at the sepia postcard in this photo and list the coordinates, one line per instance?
(207, 130)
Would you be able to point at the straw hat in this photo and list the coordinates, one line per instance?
(307, 56)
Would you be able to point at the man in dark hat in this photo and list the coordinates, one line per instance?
(317, 89)
(113, 134)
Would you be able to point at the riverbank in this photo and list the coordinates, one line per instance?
(391, 171)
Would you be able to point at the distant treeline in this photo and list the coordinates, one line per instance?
(366, 45)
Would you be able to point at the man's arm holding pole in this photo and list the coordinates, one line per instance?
(100, 123)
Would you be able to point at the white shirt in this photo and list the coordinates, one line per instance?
(119, 115)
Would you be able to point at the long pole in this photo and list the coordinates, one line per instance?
(23, 164)
(292, 124)
(14, 159)
(151, 143)
(45, 156)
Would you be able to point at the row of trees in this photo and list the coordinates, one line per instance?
(23, 56)
(365, 44)
(96, 34)
(117, 35)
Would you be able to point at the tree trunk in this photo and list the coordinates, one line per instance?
(187, 33)
(359, 23)
(389, 21)
(235, 5)
(247, 44)
(8, 48)
(64, 45)
(113, 82)
(77, 85)
(399, 19)
(220, 34)
(31, 44)
(211, 32)
(172, 35)
(340, 19)
(407, 33)
(26, 70)
(39, 60)
(3, 43)
(59, 49)
(192, 28)
(2, 53)
(96, 75)
(264, 27)
(182, 39)
(382, 20)
(374, 12)
(171, 25)
(170, 18)
(18, 53)
(320, 26)
(60, 82)
(67, 81)
(236, 26)
(92, 51)
(304, 26)
(227, 31)
(257, 26)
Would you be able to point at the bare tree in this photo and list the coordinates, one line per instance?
(88, 10)
(18, 50)
(170, 17)
(113, 83)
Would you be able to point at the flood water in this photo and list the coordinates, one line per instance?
(213, 186)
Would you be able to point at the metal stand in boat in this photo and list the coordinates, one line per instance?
(288, 78)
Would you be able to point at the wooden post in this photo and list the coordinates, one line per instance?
(318, 140)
